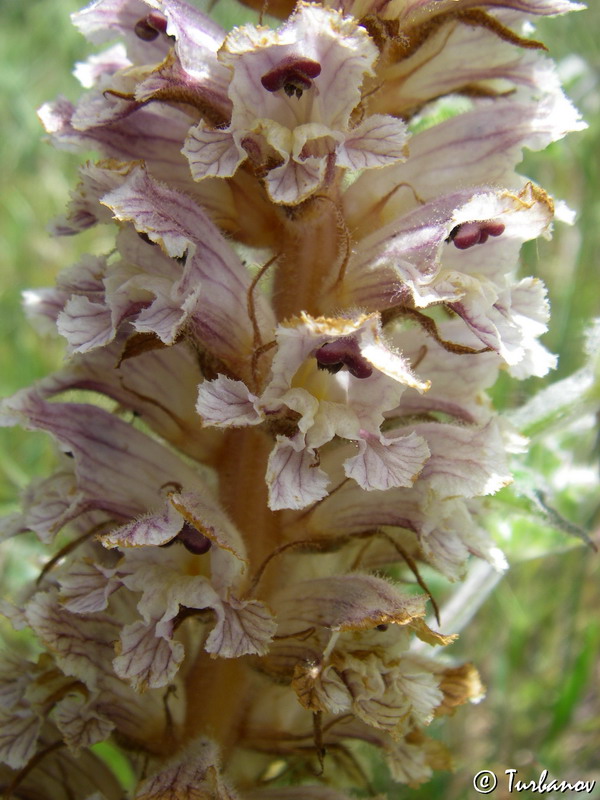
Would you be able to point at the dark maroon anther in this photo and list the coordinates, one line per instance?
(150, 27)
(469, 234)
(194, 541)
(345, 352)
(359, 367)
(293, 74)
(158, 21)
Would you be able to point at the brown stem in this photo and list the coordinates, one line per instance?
(217, 700)
(219, 690)
(316, 247)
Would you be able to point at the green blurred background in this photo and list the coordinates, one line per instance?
(536, 636)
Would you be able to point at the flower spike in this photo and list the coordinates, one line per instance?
(282, 365)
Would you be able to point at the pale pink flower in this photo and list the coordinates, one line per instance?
(293, 92)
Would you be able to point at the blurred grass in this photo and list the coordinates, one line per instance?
(38, 47)
(536, 640)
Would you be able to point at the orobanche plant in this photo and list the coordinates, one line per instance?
(285, 359)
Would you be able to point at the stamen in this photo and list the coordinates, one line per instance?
(150, 27)
(294, 75)
(194, 541)
(332, 356)
(469, 234)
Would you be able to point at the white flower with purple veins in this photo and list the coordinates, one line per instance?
(339, 378)
(293, 92)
